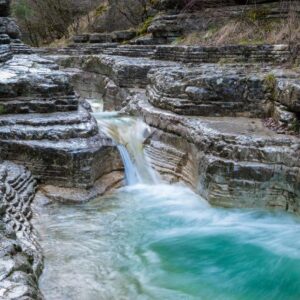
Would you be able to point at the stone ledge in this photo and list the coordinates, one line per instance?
(232, 162)
(105, 184)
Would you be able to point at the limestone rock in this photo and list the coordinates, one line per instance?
(209, 90)
(232, 162)
(21, 256)
(43, 123)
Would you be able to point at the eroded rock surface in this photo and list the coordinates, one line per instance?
(208, 117)
(45, 126)
(233, 162)
(208, 106)
(20, 255)
(43, 123)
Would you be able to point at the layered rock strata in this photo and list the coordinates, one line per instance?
(112, 78)
(44, 126)
(271, 54)
(207, 120)
(167, 27)
(21, 256)
(175, 22)
(229, 90)
(232, 162)
(43, 123)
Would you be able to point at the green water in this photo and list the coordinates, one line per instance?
(165, 242)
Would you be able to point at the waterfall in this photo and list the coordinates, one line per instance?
(129, 134)
(131, 174)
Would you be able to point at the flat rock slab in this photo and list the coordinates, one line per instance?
(30, 75)
(229, 90)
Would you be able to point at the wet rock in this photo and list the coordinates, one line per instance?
(205, 106)
(103, 185)
(42, 123)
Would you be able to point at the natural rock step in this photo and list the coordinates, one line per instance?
(131, 51)
(125, 71)
(30, 76)
(55, 132)
(205, 54)
(5, 53)
(229, 90)
(47, 119)
(65, 162)
(38, 103)
(78, 49)
(23, 105)
(226, 136)
(234, 53)
(19, 48)
(51, 126)
(227, 159)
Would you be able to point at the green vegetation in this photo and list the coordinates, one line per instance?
(100, 10)
(143, 28)
(223, 61)
(270, 81)
(22, 10)
(2, 109)
(245, 42)
(295, 126)
(178, 40)
(256, 14)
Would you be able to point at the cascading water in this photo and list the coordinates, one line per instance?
(131, 173)
(158, 241)
(129, 134)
